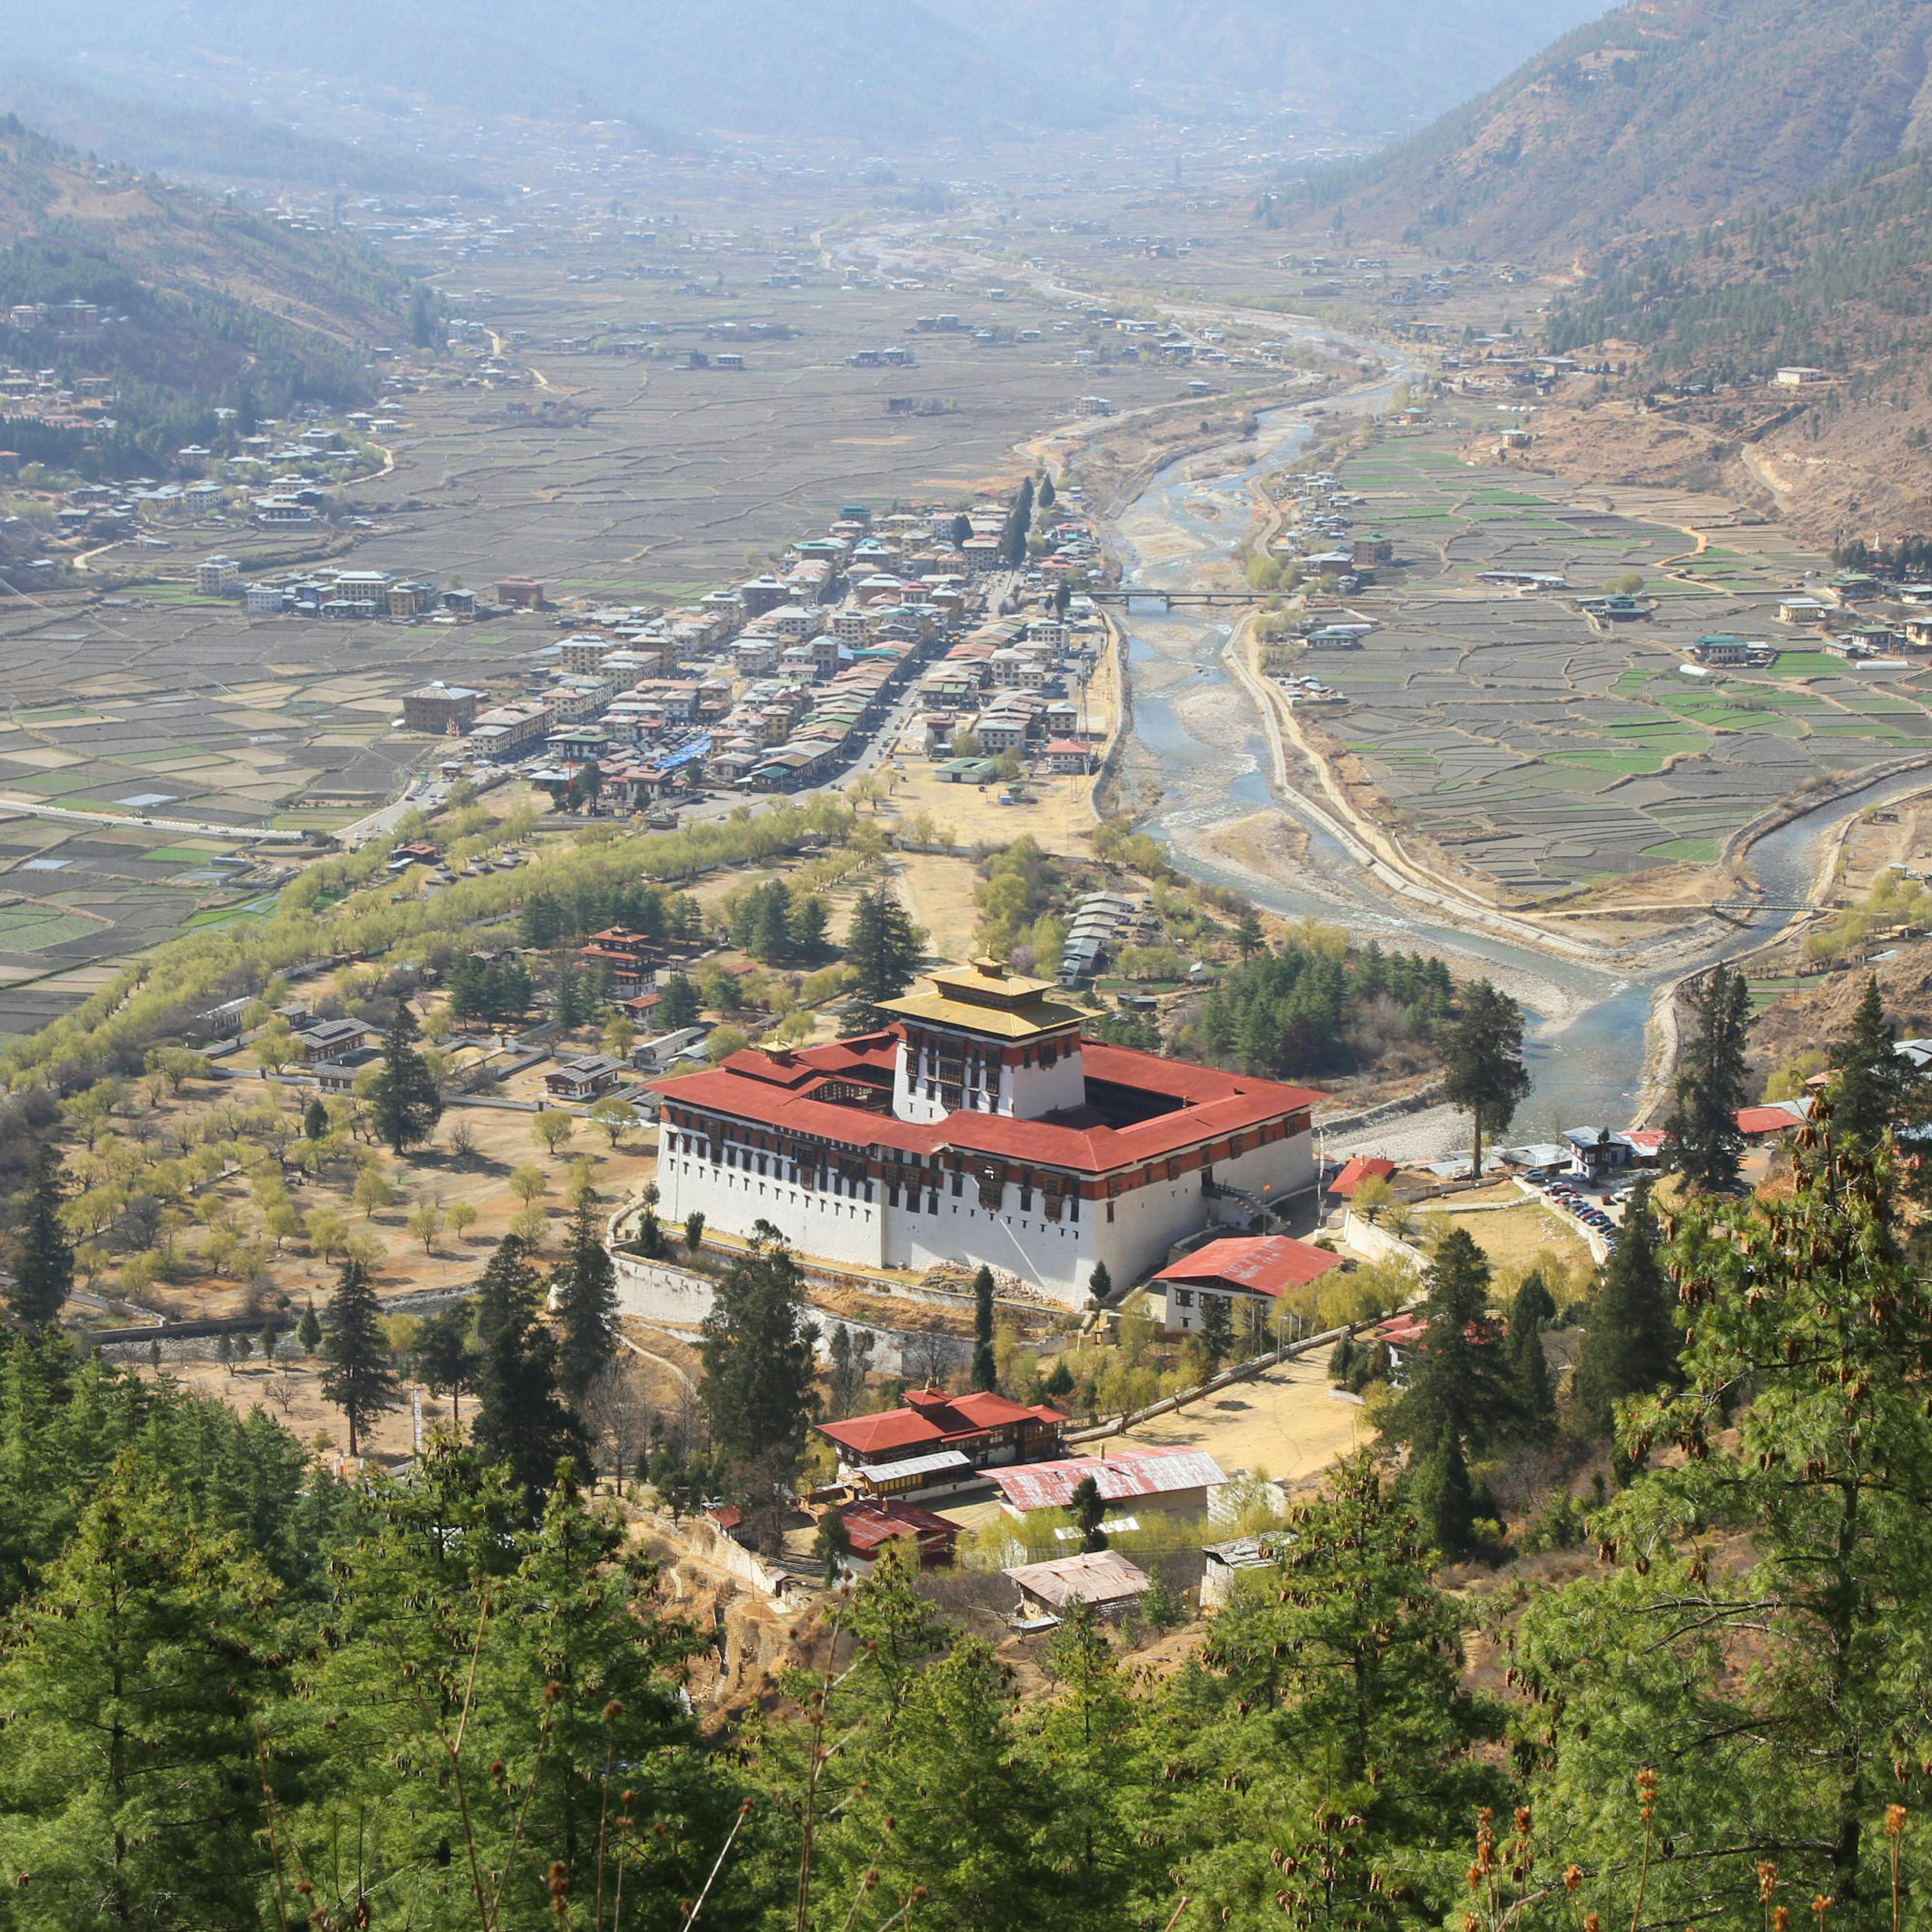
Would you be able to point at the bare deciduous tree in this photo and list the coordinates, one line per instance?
(931, 1353)
(618, 1416)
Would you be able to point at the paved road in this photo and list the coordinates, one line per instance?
(34, 809)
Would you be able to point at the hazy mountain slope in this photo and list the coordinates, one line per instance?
(867, 68)
(1664, 113)
(1378, 65)
(884, 71)
(204, 140)
(221, 305)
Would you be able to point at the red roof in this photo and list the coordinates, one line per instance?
(932, 1420)
(1399, 1331)
(1069, 745)
(1363, 1167)
(775, 1091)
(1119, 1477)
(1772, 1119)
(1266, 1265)
(868, 1526)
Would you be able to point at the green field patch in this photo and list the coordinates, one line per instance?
(180, 593)
(29, 929)
(1684, 851)
(261, 908)
(1633, 761)
(1767, 991)
(1810, 664)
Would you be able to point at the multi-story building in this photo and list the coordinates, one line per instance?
(979, 1127)
(440, 708)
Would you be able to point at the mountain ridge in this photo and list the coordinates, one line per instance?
(1663, 115)
(886, 69)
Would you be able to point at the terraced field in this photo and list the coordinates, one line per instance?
(1549, 749)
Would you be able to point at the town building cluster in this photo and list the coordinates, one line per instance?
(781, 682)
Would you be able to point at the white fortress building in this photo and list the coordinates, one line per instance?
(979, 1127)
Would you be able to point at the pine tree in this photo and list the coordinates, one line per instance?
(810, 928)
(1873, 1084)
(1482, 1069)
(358, 1380)
(1217, 1330)
(43, 1254)
(1046, 492)
(680, 1003)
(1088, 1509)
(567, 1000)
(761, 1388)
(583, 1293)
(1444, 1499)
(405, 1103)
(1783, 1686)
(508, 1293)
(985, 1369)
(882, 946)
(1535, 1395)
(521, 1419)
(130, 1677)
(962, 529)
(833, 1542)
(1248, 939)
(444, 1359)
(315, 1120)
(1702, 1140)
(1100, 1282)
(1459, 1373)
(1631, 1346)
(308, 1330)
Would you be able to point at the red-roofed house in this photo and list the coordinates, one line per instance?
(938, 1441)
(979, 1127)
(1068, 755)
(1248, 1274)
(1363, 1167)
(871, 1527)
(1757, 1123)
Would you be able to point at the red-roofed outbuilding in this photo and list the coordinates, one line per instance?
(1363, 1167)
(1254, 1272)
(937, 1441)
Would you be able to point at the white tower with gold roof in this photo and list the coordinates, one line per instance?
(986, 1041)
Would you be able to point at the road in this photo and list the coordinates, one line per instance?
(34, 808)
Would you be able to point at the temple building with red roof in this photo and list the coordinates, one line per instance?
(979, 1127)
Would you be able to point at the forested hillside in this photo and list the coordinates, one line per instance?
(222, 305)
(1841, 279)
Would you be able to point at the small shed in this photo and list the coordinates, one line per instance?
(1225, 1561)
(1102, 1577)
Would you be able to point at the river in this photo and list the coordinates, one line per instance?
(1584, 1039)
